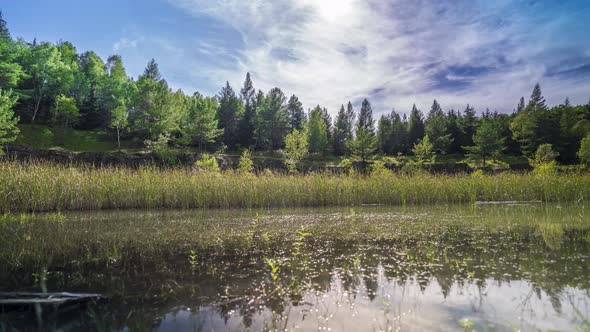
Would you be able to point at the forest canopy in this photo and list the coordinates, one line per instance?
(53, 84)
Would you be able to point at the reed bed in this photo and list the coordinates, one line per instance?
(37, 187)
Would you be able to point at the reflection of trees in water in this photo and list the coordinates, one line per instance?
(233, 281)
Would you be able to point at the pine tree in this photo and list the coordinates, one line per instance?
(246, 126)
(534, 124)
(329, 130)
(272, 122)
(343, 130)
(520, 105)
(152, 71)
(435, 111)
(384, 135)
(4, 33)
(296, 113)
(398, 134)
(415, 126)
(468, 124)
(365, 119)
(200, 124)
(228, 114)
(488, 142)
(317, 132)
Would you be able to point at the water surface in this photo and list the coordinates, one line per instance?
(449, 268)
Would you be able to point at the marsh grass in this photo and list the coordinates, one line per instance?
(36, 187)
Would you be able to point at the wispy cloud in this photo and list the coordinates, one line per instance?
(400, 52)
(124, 43)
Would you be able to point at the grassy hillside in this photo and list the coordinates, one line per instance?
(45, 137)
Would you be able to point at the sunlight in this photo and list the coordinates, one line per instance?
(332, 10)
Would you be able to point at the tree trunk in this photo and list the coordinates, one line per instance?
(118, 139)
(36, 109)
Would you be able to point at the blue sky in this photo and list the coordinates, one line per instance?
(396, 53)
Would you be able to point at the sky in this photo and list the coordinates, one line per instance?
(327, 52)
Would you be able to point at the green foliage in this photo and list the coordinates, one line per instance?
(161, 148)
(229, 112)
(10, 71)
(207, 163)
(378, 168)
(415, 126)
(158, 110)
(437, 131)
(8, 121)
(543, 160)
(487, 141)
(346, 163)
(65, 112)
(272, 120)
(199, 124)
(343, 129)
(246, 165)
(296, 150)
(424, 151)
(315, 128)
(544, 154)
(584, 152)
(364, 145)
(296, 114)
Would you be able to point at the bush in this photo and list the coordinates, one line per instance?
(246, 165)
(346, 163)
(584, 152)
(549, 168)
(378, 168)
(410, 168)
(543, 160)
(207, 164)
(161, 149)
(544, 155)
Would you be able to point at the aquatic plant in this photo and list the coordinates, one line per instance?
(35, 187)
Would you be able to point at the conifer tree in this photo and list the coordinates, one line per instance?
(296, 113)
(246, 126)
(415, 126)
(317, 132)
(365, 118)
(228, 114)
(343, 129)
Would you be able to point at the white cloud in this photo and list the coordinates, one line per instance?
(396, 52)
(124, 43)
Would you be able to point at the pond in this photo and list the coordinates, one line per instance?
(501, 267)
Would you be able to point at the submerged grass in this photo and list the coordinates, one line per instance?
(36, 187)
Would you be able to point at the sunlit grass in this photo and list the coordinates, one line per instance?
(49, 187)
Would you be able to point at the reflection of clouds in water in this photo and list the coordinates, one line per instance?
(500, 306)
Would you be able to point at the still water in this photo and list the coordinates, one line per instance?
(437, 268)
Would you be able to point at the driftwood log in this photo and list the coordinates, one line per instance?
(25, 299)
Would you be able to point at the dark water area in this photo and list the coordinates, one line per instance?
(426, 268)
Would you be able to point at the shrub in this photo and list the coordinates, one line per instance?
(207, 163)
(246, 165)
(160, 148)
(584, 152)
(378, 168)
(543, 160)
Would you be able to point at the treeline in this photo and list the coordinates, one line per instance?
(47, 83)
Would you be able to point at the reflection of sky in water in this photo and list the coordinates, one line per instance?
(495, 268)
(498, 306)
